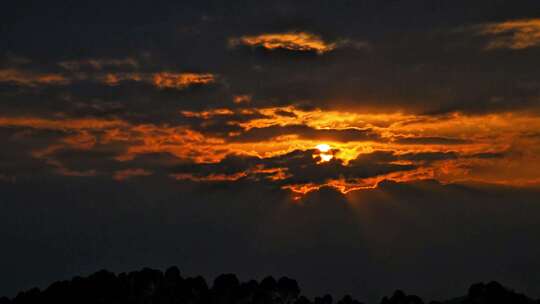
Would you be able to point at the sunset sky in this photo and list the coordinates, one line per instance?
(358, 146)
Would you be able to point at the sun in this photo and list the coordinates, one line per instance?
(323, 148)
(324, 153)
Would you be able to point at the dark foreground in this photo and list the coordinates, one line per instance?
(150, 286)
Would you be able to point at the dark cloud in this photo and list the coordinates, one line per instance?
(301, 167)
(428, 156)
(489, 155)
(16, 155)
(430, 141)
(306, 132)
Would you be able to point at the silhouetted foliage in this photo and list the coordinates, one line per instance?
(399, 297)
(150, 286)
(348, 300)
(494, 293)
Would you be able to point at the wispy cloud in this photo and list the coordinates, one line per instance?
(98, 63)
(161, 80)
(29, 78)
(182, 80)
(514, 34)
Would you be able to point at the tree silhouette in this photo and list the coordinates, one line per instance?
(149, 286)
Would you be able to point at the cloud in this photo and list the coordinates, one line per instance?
(430, 141)
(114, 79)
(32, 79)
(300, 171)
(303, 172)
(291, 41)
(242, 99)
(99, 63)
(210, 178)
(515, 34)
(181, 80)
(60, 124)
(428, 157)
(161, 80)
(305, 132)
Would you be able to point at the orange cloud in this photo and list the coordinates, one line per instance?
(181, 80)
(61, 124)
(208, 114)
(162, 80)
(515, 34)
(242, 99)
(346, 186)
(82, 140)
(293, 41)
(399, 132)
(26, 78)
(114, 79)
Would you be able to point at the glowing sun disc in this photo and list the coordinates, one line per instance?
(323, 148)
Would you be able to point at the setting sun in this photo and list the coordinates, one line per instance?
(323, 148)
(324, 154)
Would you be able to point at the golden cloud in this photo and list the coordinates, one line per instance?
(181, 80)
(345, 186)
(515, 34)
(293, 41)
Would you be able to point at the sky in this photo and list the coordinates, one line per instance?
(357, 146)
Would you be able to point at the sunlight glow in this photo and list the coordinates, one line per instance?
(323, 148)
(325, 153)
(326, 157)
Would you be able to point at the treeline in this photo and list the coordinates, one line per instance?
(150, 286)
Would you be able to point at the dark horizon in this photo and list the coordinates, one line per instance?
(171, 286)
(357, 146)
